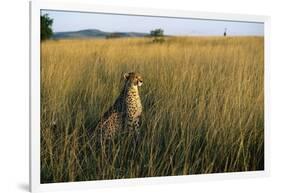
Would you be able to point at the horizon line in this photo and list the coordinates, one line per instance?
(257, 35)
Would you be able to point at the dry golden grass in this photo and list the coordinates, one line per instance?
(203, 106)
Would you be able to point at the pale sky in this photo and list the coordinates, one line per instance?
(74, 21)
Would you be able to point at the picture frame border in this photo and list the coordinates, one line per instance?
(34, 94)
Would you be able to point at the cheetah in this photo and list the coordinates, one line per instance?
(125, 114)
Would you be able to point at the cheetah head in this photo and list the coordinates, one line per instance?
(133, 78)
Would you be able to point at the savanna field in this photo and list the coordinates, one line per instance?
(202, 97)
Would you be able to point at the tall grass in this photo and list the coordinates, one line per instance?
(202, 98)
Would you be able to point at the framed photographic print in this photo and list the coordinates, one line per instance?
(124, 96)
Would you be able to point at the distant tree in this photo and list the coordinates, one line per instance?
(46, 27)
(158, 35)
(224, 34)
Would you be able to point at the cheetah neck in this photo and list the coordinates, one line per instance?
(133, 99)
(131, 92)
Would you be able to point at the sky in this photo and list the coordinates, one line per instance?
(74, 21)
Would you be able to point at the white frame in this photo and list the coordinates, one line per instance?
(36, 6)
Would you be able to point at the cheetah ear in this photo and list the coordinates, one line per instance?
(126, 75)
